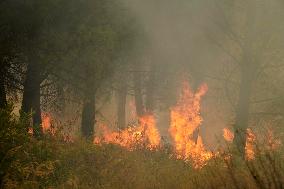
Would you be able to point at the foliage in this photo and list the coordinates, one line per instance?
(55, 163)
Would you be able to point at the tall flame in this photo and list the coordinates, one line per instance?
(184, 126)
(148, 124)
(144, 135)
(250, 148)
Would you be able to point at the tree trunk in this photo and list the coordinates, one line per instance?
(248, 67)
(150, 90)
(138, 94)
(31, 97)
(121, 102)
(3, 100)
(89, 107)
(242, 112)
(88, 117)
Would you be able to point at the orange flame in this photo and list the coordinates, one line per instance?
(250, 148)
(228, 135)
(46, 122)
(30, 131)
(272, 142)
(250, 141)
(144, 135)
(184, 127)
(148, 123)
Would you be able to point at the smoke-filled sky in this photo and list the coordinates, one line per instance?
(197, 40)
(202, 42)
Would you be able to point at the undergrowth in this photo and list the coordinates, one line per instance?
(51, 162)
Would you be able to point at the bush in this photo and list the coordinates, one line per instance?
(53, 163)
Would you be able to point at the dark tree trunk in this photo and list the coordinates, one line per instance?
(138, 94)
(242, 112)
(88, 118)
(89, 108)
(150, 90)
(248, 66)
(3, 100)
(121, 102)
(31, 97)
(4, 65)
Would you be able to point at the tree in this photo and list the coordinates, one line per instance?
(101, 34)
(34, 21)
(250, 39)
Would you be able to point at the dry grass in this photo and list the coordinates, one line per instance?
(53, 163)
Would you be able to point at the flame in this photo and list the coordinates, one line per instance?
(46, 124)
(250, 148)
(228, 135)
(250, 141)
(185, 121)
(144, 135)
(272, 142)
(184, 126)
(30, 131)
(148, 123)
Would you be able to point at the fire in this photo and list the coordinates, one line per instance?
(184, 127)
(185, 121)
(228, 135)
(144, 135)
(30, 131)
(270, 141)
(148, 124)
(250, 141)
(273, 143)
(46, 122)
(250, 148)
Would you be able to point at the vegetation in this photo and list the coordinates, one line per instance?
(54, 163)
(136, 94)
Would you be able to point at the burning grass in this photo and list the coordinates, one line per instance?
(184, 127)
(57, 164)
(184, 130)
(143, 135)
(185, 122)
(135, 157)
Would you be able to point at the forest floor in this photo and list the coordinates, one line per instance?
(51, 162)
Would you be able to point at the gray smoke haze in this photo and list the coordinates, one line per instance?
(176, 31)
(196, 38)
(199, 41)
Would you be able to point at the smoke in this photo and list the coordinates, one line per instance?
(177, 44)
(190, 40)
